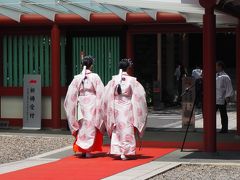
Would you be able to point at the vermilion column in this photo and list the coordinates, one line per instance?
(129, 49)
(238, 75)
(209, 75)
(56, 86)
(1, 67)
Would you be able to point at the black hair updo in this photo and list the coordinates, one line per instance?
(87, 61)
(124, 64)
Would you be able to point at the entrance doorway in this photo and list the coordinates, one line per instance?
(145, 62)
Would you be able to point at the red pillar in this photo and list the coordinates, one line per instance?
(238, 75)
(129, 50)
(1, 68)
(56, 87)
(209, 75)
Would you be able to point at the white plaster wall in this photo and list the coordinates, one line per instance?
(46, 107)
(12, 107)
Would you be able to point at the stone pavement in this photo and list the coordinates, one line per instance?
(197, 157)
(172, 119)
(162, 126)
(140, 172)
(145, 171)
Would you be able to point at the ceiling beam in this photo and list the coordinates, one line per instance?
(221, 19)
(118, 10)
(151, 12)
(78, 8)
(11, 12)
(41, 9)
(157, 5)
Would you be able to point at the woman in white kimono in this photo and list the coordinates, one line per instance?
(125, 110)
(83, 105)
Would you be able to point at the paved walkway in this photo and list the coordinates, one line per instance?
(172, 119)
(197, 157)
(141, 172)
(157, 122)
(145, 171)
(36, 160)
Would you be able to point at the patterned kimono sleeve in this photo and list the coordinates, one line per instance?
(70, 104)
(107, 107)
(99, 88)
(139, 107)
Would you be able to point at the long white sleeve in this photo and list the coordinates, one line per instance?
(228, 87)
(223, 88)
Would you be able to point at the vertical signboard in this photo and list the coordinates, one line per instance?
(32, 102)
(188, 102)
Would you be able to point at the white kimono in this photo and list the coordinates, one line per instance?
(87, 89)
(123, 113)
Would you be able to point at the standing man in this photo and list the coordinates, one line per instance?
(224, 91)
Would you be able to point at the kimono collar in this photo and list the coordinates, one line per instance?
(84, 71)
(220, 73)
(88, 71)
(125, 73)
(119, 77)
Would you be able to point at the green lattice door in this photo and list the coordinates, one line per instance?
(106, 51)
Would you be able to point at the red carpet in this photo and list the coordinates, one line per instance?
(72, 168)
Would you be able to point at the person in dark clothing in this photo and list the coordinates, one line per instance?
(224, 91)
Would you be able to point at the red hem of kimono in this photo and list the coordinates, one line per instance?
(97, 145)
